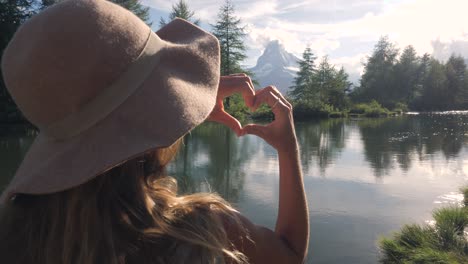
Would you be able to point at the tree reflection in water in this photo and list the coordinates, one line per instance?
(213, 156)
(402, 140)
(321, 142)
(211, 159)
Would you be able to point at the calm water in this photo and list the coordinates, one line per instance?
(363, 178)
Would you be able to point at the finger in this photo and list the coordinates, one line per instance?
(249, 95)
(265, 97)
(228, 120)
(237, 74)
(253, 129)
(241, 83)
(280, 95)
(248, 92)
(278, 107)
(276, 92)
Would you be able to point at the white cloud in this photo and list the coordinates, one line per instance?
(259, 9)
(329, 26)
(259, 37)
(323, 46)
(353, 65)
(158, 4)
(443, 50)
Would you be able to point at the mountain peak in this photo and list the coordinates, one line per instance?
(274, 44)
(276, 54)
(276, 66)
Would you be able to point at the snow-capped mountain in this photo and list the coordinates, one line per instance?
(276, 67)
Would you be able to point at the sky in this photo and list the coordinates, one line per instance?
(344, 30)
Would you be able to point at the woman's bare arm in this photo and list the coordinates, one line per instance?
(289, 242)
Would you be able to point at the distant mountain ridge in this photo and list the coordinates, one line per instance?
(276, 67)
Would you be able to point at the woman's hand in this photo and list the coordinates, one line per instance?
(280, 133)
(288, 243)
(228, 85)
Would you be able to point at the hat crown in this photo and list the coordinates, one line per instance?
(65, 56)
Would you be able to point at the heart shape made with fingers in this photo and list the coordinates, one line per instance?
(242, 84)
(229, 85)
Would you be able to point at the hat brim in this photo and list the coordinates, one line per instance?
(174, 99)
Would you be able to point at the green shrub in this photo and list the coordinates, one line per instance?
(236, 107)
(393, 251)
(358, 109)
(336, 114)
(444, 242)
(453, 218)
(429, 255)
(372, 109)
(414, 236)
(400, 108)
(262, 113)
(304, 110)
(464, 191)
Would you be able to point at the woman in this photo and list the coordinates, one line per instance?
(112, 101)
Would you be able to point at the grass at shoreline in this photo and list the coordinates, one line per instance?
(445, 241)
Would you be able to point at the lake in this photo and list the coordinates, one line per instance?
(364, 178)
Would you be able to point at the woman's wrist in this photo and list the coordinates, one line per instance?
(290, 149)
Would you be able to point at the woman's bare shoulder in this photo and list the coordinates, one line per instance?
(260, 244)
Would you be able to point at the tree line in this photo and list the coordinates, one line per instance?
(422, 83)
(390, 80)
(320, 88)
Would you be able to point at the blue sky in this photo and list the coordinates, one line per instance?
(345, 30)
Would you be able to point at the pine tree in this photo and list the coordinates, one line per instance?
(324, 80)
(137, 8)
(457, 82)
(230, 35)
(406, 76)
(180, 10)
(337, 95)
(231, 39)
(377, 82)
(421, 75)
(302, 89)
(434, 95)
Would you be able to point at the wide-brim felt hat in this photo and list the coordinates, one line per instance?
(103, 88)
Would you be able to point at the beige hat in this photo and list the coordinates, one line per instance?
(103, 88)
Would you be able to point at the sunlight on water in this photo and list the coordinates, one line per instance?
(452, 198)
(364, 178)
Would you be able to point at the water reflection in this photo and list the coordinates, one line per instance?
(211, 159)
(363, 177)
(321, 141)
(402, 141)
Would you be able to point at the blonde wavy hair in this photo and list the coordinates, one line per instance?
(129, 214)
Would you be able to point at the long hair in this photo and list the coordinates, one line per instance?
(129, 214)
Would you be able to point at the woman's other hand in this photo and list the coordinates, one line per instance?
(229, 85)
(288, 243)
(280, 133)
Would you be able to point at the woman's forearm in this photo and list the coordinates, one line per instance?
(292, 224)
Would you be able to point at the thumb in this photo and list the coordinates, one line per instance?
(254, 129)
